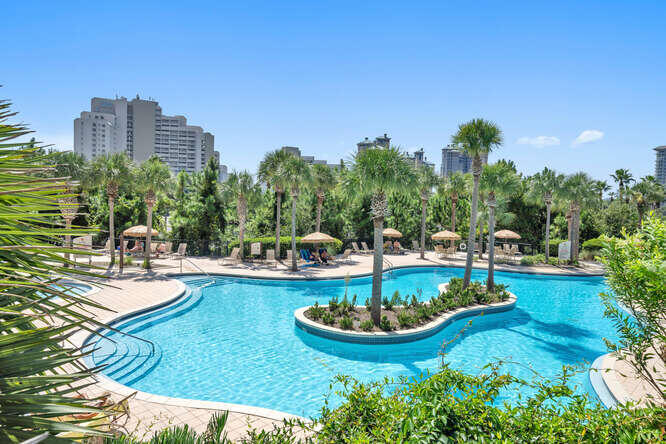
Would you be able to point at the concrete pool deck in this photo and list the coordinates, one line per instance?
(136, 289)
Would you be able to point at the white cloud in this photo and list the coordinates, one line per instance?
(539, 141)
(588, 136)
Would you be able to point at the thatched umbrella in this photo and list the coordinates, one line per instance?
(139, 231)
(392, 232)
(445, 235)
(507, 234)
(318, 238)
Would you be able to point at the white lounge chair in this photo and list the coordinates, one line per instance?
(182, 251)
(346, 256)
(255, 250)
(270, 257)
(366, 249)
(356, 249)
(415, 245)
(233, 258)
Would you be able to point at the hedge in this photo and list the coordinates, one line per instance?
(552, 246)
(268, 243)
(593, 244)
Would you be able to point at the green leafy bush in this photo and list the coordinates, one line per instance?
(368, 304)
(593, 244)
(405, 320)
(367, 325)
(268, 243)
(333, 304)
(316, 312)
(328, 319)
(346, 323)
(538, 259)
(553, 245)
(385, 324)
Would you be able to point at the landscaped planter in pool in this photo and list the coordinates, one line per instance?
(398, 336)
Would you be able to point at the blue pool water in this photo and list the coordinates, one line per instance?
(235, 341)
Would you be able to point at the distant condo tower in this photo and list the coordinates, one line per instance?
(454, 160)
(381, 141)
(139, 129)
(660, 165)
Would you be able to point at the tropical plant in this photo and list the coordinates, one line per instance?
(577, 190)
(152, 178)
(377, 172)
(110, 171)
(496, 179)
(636, 274)
(426, 181)
(240, 187)
(541, 187)
(323, 181)
(601, 187)
(623, 178)
(40, 369)
(646, 194)
(456, 185)
(272, 173)
(476, 138)
(297, 174)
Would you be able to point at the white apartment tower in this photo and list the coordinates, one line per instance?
(139, 128)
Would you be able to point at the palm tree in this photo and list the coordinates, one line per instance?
(377, 172)
(298, 174)
(153, 178)
(476, 137)
(646, 194)
(623, 178)
(540, 187)
(456, 185)
(323, 181)
(111, 171)
(69, 205)
(271, 172)
(577, 189)
(426, 180)
(601, 187)
(498, 179)
(241, 187)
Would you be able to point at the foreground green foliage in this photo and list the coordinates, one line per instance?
(636, 273)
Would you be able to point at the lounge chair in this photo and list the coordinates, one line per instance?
(439, 251)
(83, 243)
(270, 258)
(105, 248)
(255, 250)
(356, 249)
(181, 253)
(289, 256)
(346, 256)
(233, 258)
(415, 245)
(451, 251)
(366, 249)
(397, 248)
(168, 247)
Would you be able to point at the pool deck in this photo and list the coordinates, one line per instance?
(136, 289)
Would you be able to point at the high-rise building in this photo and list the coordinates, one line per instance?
(223, 173)
(381, 141)
(307, 159)
(139, 129)
(660, 165)
(454, 160)
(419, 159)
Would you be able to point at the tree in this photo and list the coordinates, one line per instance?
(211, 220)
(152, 178)
(475, 138)
(377, 172)
(540, 187)
(646, 194)
(426, 181)
(600, 187)
(455, 186)
(577, 190)
(241, 187)
(297, 174)
(111, 171)
(623, 178)
(497, 179)
(323, 181)
(272, 173)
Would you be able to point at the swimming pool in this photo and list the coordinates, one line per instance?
(234, 339)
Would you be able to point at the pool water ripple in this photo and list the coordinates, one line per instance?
(238, 342)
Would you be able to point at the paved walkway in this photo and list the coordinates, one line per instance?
(136, 288)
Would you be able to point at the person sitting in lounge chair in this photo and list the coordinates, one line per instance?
(396, 247)
(137, 248)
(324, 256)
(388, 246)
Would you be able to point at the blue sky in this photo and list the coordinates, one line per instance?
(322, 76)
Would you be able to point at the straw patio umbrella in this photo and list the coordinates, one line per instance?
(392, 232)
(139, 231)
(445, 235)
(507, 234)
(317, 238)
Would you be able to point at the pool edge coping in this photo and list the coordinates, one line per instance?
(107, 383)
(400, 336)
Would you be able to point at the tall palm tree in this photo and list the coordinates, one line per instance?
(646, 194)
(476, 138)
(498, 179)
(426, 180)
(623, 178)
(272, 173)
(153, 178)
(323, 180)
(542, 186)
(455, 186)
(69, 205)
(240, 187)
(601, 187)
(377, 172)
(111, 171)
(577, 189)
(298, 174)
